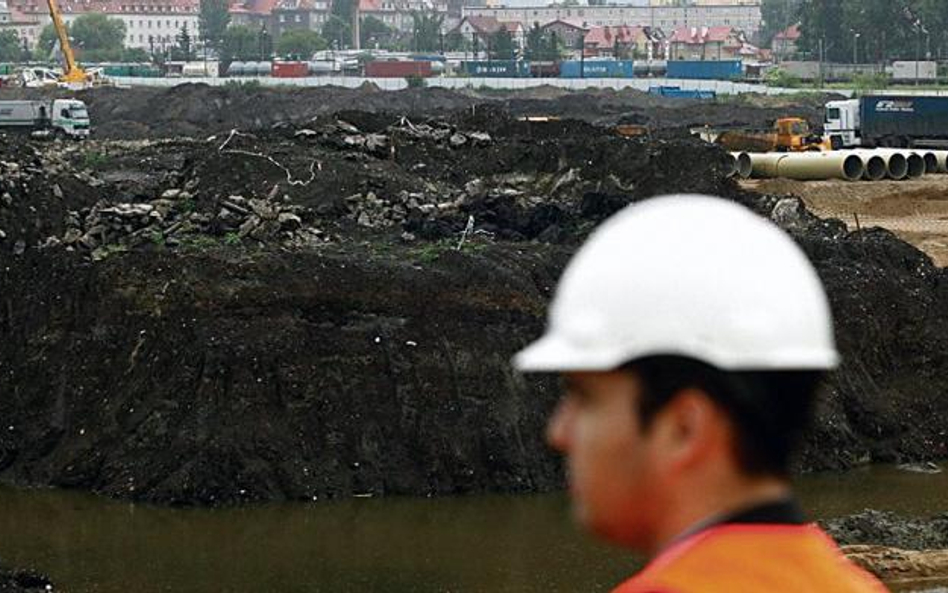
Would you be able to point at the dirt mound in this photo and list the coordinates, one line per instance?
(319, 309)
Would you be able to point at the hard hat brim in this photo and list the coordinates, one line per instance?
(551, 354)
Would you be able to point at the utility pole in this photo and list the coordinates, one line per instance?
(918, 48)
(822, 40)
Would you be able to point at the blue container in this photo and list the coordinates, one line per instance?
(705, 70)
(676, 92)
(904, 116)
(597, 69)
(498, 69)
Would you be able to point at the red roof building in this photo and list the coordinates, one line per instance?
(706, 43)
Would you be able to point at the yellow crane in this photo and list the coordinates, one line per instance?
(73, 74)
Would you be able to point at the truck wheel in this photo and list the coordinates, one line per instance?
(836, 142)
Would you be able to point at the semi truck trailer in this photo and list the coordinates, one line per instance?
(888, 120)
(64, 117)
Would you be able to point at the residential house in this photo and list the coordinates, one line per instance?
(784, 45)
(299, 14)
(624, 42)
(27, 28)
(254, 14)
(570, 32)
(706, 43)
(398, 14)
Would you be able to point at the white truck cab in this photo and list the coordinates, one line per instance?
(841, 124)
(71, 117)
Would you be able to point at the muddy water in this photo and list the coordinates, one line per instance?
(492, 543)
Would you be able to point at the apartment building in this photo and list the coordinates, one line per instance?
(745, 17)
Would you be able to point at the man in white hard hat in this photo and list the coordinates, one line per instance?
(692, 336)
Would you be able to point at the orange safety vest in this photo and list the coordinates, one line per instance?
(753, 558)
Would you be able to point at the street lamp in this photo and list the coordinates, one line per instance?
(856, 37)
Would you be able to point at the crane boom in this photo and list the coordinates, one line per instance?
(73, 74)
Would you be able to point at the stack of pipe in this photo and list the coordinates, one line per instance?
(851, 165)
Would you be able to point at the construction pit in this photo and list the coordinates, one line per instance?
(245, 295)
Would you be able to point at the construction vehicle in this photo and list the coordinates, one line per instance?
(73, 75)
(49, 117)
(789, 134)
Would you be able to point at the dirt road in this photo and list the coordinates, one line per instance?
(916, 210)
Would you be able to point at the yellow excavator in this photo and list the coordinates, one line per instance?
(73, 75)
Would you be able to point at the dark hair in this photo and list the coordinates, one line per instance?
(770, 410)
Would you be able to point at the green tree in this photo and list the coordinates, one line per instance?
(46, 43)
(183, 44)
(777, 15)
(214, 20)
(300, 43)
(10, 48)
(541, 46)
(337, 29)
(426, 30)
(95, 35)
(456, 41)
(822, 21)
(238, 43)
(373, 31)
(502, 45)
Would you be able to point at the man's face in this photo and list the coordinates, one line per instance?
(614, 476)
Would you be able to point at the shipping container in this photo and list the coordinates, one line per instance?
(397, 69)
(597, 69)
(545, 69)
(289, 70)
(676, 92)
(497, 69)
(705, 70)
(911, 70)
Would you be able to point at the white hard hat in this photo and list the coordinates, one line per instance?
(689, 276)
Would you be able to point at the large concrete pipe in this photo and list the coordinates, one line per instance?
(942, 157)
(931, 161)
(874, 164)
(914, 165)
(764, 164)
(744, 165)
(731, 165)
(813, 166)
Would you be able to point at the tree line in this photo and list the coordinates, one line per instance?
(866, 31)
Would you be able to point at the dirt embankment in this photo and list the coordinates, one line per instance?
(199, 110)
(321, 309)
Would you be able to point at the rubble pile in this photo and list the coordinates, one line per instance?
(170, 222)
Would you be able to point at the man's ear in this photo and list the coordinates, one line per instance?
(687, 428)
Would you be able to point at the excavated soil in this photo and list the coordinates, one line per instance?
(197, 109)
(320, 308)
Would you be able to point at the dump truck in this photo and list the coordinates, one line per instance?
(59, 117)
(888, 120)
(788, 134)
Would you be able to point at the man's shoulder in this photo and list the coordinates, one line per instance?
(752, 558)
